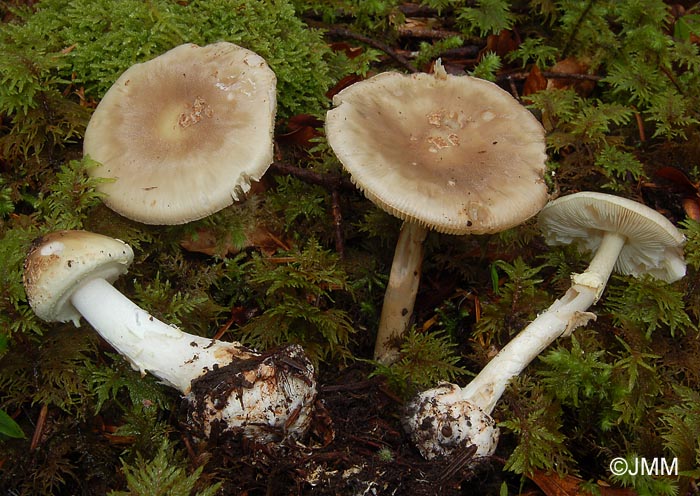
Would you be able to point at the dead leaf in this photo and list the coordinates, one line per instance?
(321, 431)
(679, 179)
(534, 82)
(209, 242)
(350, 51)
(553, 485)
(501, 44)
(342, 84)
(302, 129)
(571, 66)
(692, 208)
(680, 183)
(416, 24)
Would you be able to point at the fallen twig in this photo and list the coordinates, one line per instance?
(330, 181)
(346, 33)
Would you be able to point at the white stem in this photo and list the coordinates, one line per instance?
(602, 264)
(562, 317)
(401, 291)
(175, 357)
(488, 386)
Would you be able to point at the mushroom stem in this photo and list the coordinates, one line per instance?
(602, 264)
(173, 356)
(229, 389)
(401, 291)
(560, 319)
(447, 417)
(447, 408)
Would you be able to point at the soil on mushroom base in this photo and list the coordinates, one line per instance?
(355, 447)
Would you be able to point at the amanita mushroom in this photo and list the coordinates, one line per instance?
(454, 154)
(184, 134)
(229, 388)
(626, 236)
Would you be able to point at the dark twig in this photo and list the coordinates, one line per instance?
(346, 33)
(415, 10)
(513, 89)
(426, 33)
(640, 126)
(550, 75)
(226, 326)
(672, 78)
(330, 181)
(465, 51)
(338, 223)
(39, 429)
(334, 182)
(574, 31)
(457, 463)
(354, 386)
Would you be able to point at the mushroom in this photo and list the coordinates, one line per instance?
(454, 154)
(183, 135)
(625, 235)
(229, 388)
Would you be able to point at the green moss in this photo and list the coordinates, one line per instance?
(649, 304)
(516, 301)
(425, 359)
(92, 42)
(79, 48)
(297, 294)
(536, 419)
(164, 474)
(48, 373)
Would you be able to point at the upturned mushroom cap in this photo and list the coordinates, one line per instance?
(654, 246)
(453, 153)
(184, 134)
(63, 260)
(441, 421)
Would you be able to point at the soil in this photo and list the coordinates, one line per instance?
(355, 447)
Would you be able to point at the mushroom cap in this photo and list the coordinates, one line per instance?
(455, 154)
(59, 262)
(440, 422)
(185, 133)
(654, 246)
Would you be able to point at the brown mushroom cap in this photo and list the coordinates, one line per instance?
(184, 134)
(653, 244)
(453, 153)
(59, 262)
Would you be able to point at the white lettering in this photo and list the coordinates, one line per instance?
(644, 466)
(669, 470)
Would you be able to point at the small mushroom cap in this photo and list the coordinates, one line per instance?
(184, 134)
(440, 422)
(654, 246)
(455, 154)
(59, 262)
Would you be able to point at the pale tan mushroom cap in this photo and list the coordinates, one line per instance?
(454, 153)
(654, 246)
(59, 262)
(184, 134)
